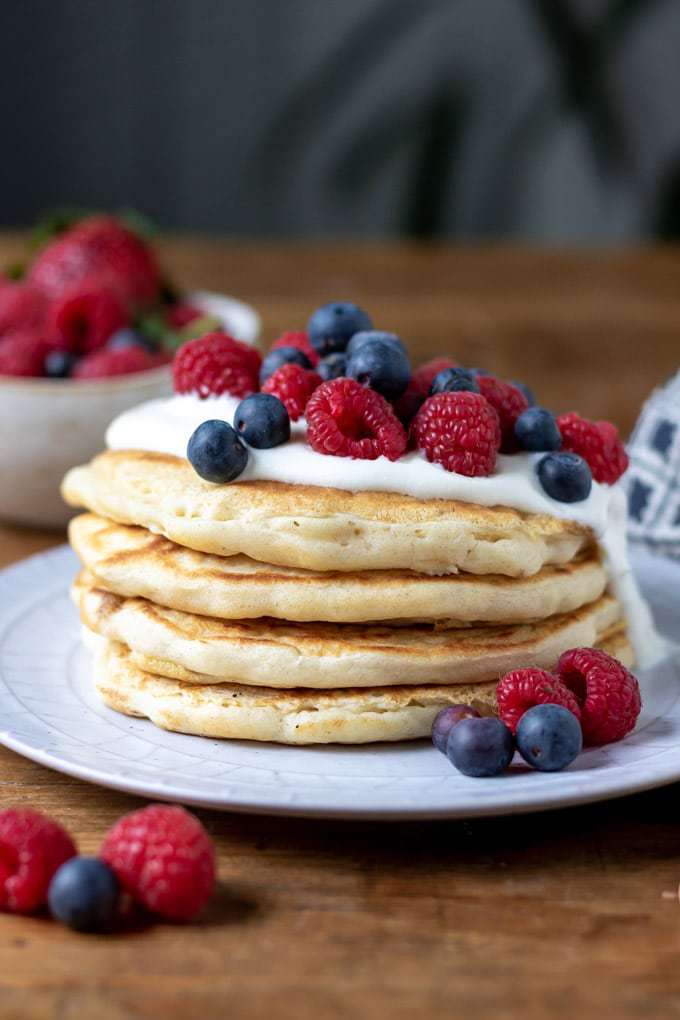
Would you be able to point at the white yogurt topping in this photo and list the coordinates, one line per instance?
(166, 425)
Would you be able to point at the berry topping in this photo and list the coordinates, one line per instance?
(549, 737)
(480, 747)
(22, 307)
(216, 453)
(331, 326)
(86, 319)
(369, 335)
(526, 390)
(523, 688)
(454, 380)
(32, 847)
(164, 858)
(508, 402)
(293, 385)
(608, 693)
(333, 366)
(128, 337)
(59, 364)
(345, 419)
(418, 388)
(565, 477)
(215, 364)
(23, 353)
(84, 894)
(380, 364)
(181, 315)
(282, 356)
(536, 430)
(446, 720)
(299, 339)
(598, 442)
(104, 364)
(460, 431)
(262, 421)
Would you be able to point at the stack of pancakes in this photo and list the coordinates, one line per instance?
(305, 615)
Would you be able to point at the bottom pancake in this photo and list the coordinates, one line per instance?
(300, 716)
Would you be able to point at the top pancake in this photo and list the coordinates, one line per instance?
(319, 528)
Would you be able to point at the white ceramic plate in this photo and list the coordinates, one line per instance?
(50, 713)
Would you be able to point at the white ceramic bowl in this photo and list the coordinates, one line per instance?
(47, 426)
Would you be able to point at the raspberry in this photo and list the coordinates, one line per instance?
(181, 315)
(32, 848)
(300, 340)
(599, 444)
(125, 361)
(21, 307)
(523, 688)
(346, 419)
(293, 385)
(23, 353)
(609, 695)
(215, 364)
(164, 858)
(418, 389)
(508, 402)
(460, 431)
(85, 319)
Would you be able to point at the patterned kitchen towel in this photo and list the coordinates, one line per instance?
(653, 480)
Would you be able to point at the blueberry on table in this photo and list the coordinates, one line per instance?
(332, 366)
(446, 720)
(331, 326)
(536, 430)
(59, 364)
(565, 477)
(262, 421)
(549, 737)
(282, 356)
(216, 453)
(381, 365)
(480, 747)
(454, 380)
(84, 894)
(367, 335)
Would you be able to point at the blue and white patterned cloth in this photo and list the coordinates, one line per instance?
(653, 481)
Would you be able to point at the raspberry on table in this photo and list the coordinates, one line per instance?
(164, 858)
(214, 364)
(23, 353)
(22, 307)
(293, 385)
(85, 319)
(346, 419)
(103, 364)
(32, 848)
(418, 388)
(598, 442)
(300, 340)
(460, 431)
(509, 403)
(521, 689)
(608, 693)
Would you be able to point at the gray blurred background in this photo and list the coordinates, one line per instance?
(545, 120)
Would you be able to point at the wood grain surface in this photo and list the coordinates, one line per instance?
(564, 915)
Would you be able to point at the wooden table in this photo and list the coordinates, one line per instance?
(560, 915)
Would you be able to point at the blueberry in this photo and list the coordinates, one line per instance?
(526, 390)
(565, 477)
(127, 337)
(262, 421)
(216, 452)
(382, 366)
(331, 326)
(333, 366)
(59, 364)
(446, 720)
(84, 894)
(282, 356)
(480, 747)
(367, 335)
(453, 380)
(536, 430)
(549, 737)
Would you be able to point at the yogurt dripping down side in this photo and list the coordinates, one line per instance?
(165, 426)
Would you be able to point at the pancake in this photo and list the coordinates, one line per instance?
(131, 561)
(272, 653)
(233, 711)
(319, 528)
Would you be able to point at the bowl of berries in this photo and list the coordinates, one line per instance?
(88, 328)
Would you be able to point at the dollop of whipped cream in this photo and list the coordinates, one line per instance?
(165, 426)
